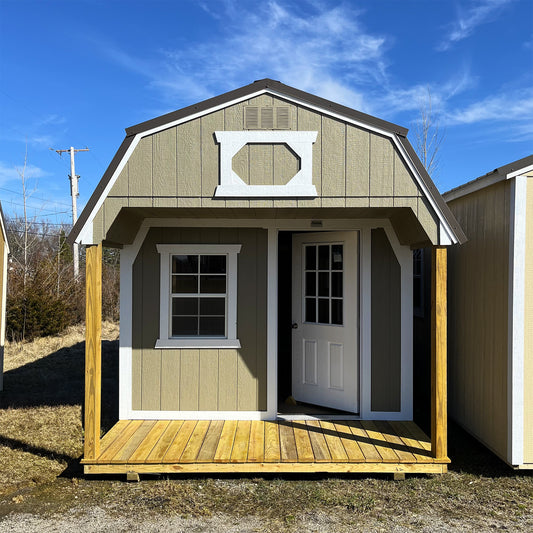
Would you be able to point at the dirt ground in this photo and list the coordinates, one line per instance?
(42, 487)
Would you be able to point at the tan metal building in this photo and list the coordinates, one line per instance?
(266, 239)
(491, 311)
(4, 252)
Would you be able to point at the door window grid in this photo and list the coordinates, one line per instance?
(323, 284)
(198, 295)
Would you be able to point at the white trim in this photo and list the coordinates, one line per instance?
(165, 339)
(86, 233)
(4, 232)
(520, 171)
(272, 324)
(516, 305)
(300, 185)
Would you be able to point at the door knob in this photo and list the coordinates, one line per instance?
(295, 325)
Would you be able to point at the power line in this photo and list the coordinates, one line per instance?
(34, 197)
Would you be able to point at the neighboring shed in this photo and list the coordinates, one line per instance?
(491, 311)
(266, 240)
(4, 252)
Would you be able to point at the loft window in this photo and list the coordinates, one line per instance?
(198, 296)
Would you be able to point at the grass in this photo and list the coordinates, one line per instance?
(41, 444)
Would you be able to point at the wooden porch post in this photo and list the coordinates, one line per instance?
(439, 414)
(93, 350)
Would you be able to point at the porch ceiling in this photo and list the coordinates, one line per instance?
(128, 221)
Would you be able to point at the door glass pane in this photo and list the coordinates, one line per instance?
(184, 264)
(212, 284)
(336, 257)
(184, 325)
(336, 284)
(323, 310)
(212, 325)
(213, 264)
(336, 312)
(310, 258)
(310, 310)
(213, 306)
(184, 306)
(323, 257)
(310, 284)
(323, 284)
(185, 284)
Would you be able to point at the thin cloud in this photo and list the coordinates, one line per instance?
(480, 12)
(10, 173)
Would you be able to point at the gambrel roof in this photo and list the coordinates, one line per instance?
(450, 232)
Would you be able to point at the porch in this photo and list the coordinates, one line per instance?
(244, 446)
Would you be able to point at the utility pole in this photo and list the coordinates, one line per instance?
(74, 193)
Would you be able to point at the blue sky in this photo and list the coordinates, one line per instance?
(76, 73)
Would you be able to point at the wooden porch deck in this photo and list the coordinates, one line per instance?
(230, 446)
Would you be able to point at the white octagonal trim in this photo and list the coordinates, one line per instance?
(231, 185)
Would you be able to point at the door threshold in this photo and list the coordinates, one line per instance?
(293, 416)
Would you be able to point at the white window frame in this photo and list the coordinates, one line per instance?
(166, 251)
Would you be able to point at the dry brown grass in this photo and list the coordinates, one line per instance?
(41, 443)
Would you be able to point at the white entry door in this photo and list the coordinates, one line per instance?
(325, 307)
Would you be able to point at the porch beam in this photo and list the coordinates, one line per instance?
(439, 414)
(93, 350)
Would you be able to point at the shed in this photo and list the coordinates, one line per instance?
(266, 240)
(491, 311)
(4, 252)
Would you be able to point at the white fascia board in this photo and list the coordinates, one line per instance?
(4, 233)
(519, 172)
(516, 325)
(86, 236)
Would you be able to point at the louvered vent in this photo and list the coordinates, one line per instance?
(267, 118)
(282, 118)
(251, 117)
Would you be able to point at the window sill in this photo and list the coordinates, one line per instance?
(197, 343)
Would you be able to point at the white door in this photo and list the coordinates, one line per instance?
(325, 307)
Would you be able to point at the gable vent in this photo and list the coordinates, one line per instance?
(267, 118)
(251, 117)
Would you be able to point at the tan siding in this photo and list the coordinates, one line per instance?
(528, 322)
(386, 325)
(201, 379)
(99, 223)
(351, 167)
(164, 153)
(477, 316)
(381, 167)
(140, 169)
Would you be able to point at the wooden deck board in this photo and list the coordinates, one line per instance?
(197, 446)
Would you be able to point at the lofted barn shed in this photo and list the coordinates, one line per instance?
(266, 241)
(491, 301)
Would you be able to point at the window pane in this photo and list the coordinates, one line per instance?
(212, 284)
(336, 257)
(184, 325)
(184, 306)
(310, 258)
(336, 312)
(323, 283)
(310, 310)
(184, 264)
(213, 264)
(310, 284)
(336, 284)
(323, 310)
(213, 306)
(185, 284)
(212, 326)
(323, 257)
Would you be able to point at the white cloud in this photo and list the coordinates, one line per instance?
(480, 12)
(11, 172)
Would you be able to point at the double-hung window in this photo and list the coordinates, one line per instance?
(198, 296)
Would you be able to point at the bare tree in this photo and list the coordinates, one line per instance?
(428, 136)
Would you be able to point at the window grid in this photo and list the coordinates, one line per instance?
(321, 306)
(198, 321)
